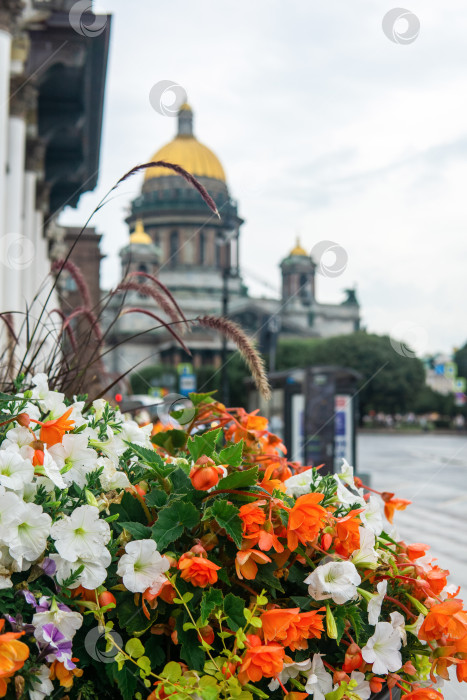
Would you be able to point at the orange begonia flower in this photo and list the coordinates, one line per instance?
(252, 517)
(391, 504)
(246, 563)
(417, 550)
(276, 622)
(13, 654)
(353, 658)
(437, 578)
(348, 534)
(266, 539)
(291, 627)
(444, 619)
(199, 571)
(62, 674)
(424, 694)
(260, 660)
(306, 519)
(308, 626)
(269, 483)
(52, 431)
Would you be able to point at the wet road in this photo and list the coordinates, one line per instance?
(431, 471)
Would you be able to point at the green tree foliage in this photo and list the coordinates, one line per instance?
(389, 382)
(460, 358)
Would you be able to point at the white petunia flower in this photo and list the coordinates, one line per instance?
(81, 535)
(112, 478)
(132, 432)
(374, 605)
(99, 407)
(41, 685)
(346, 474)
(366, 556)
(347, 497)
(74, 458)
(15, 471)
(336, 579)
(319, 681)
(363, 689)
(372, 516)
(290, 670)
(65, 621)
(299, 484)
(49, 400)
(19, 440)
(28, 537)
(50, 470)
(382, 649)
(93, 574)
(113, 447)
(142, 566)
(398, 622)
(10, 514)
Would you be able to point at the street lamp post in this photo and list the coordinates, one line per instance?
(224, 239)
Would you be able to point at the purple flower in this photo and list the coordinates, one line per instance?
(57, 646)
(49, 566)
(18, 625)
(29, 597)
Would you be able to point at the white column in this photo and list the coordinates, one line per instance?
(14, 260)
(5, 51)
(27, 288)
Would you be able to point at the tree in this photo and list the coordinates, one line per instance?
(389, 383)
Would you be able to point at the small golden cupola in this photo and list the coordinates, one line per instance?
(139, 235)
(298, 250)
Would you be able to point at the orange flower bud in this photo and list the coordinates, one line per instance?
(376, 684)
(38, 458)
(206, 633)
(23, 419)
(205, 474)
(353, 658)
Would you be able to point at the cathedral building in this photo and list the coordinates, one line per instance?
(197, 256)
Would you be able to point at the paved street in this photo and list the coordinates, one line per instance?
(431, 471)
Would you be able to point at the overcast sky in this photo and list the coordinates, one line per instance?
(325, 128)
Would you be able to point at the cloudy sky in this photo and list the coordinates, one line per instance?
(325, 128)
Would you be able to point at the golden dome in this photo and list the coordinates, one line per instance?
(187, 151)
(298, 250)
(139, 235)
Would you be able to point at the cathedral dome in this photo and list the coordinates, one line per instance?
(187, 151)
(298, 250)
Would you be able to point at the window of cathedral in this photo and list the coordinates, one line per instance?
(174, 249)
(202, 248)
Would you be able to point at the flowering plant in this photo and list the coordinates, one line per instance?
(196, 562)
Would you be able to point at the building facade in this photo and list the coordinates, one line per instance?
(52, 77)
(197, 255)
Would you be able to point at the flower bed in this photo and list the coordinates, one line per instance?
(199, 563)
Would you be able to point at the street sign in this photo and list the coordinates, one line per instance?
(187, 384)
(343, 430)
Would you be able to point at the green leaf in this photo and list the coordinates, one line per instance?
(126, 681)
(172, 521)
(129, 509)
(190, 650)
(211, 599)
(146, 455)
(232, 454)
(197, 399)
(154, 651)
(239, 479)
(145, 664)
(136, 530)
(266, 575)
(233, 608)
(226, 515)
(181, 482)
(131, 619)
(172, 671)
(203, 444)
(134, 648)
(170, 440)
(156, 498)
